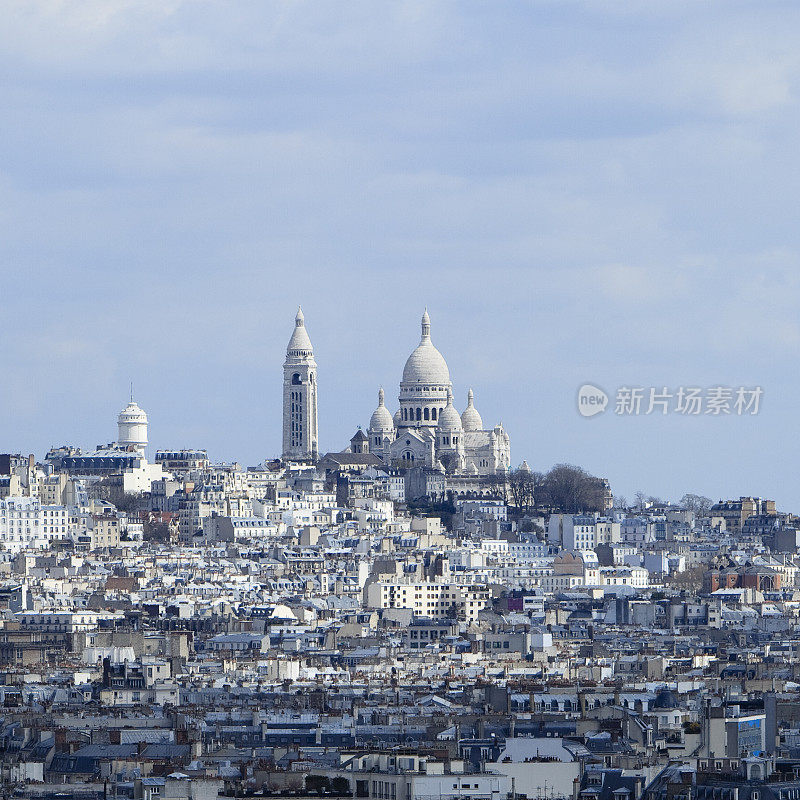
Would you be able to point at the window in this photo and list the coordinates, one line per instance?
(296, 379)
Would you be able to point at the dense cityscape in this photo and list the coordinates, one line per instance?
(417, 615)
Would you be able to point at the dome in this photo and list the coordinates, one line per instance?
(449, 420)
(397, 418)
(131, 414)
(426, 364)
(471, 419)
(381, 419)
(299, 341)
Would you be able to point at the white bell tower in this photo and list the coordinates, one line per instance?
(300, 434)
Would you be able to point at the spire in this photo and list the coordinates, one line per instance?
(380, 396)
(131, 391)
(299, 344)
(426, 326)
(449, 396)
(470, 399)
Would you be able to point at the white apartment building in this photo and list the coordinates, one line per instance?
(25, 522)
(582, 531)
(527, 551)
(638, 577)
(429, 599)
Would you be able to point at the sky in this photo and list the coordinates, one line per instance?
(579, 192)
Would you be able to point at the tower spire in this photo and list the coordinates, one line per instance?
(426, 326)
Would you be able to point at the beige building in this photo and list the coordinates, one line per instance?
(104, 532)
(429, 599)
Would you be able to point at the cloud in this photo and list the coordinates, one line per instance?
(578, 192)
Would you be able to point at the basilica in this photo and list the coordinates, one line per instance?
(425, 431)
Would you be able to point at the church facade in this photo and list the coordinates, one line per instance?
(426, 430)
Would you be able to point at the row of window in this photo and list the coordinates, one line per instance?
(420, 414)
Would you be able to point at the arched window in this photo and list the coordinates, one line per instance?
(427, 413)
(419, 414)
(433, 413)
(405, 414)
(296, 379)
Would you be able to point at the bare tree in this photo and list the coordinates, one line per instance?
(571, 489)
(697, 503)
(521, 483)
(498, 486)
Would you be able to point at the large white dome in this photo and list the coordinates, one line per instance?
(426, 364)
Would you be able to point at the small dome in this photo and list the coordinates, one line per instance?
(426, 364)
(397, 418)
(524, 467)
(381, 419)
(449, 420)
(471, 419)
(300, 342)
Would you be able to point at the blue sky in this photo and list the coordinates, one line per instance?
(579, 192)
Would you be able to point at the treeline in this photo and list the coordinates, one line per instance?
(565, 488)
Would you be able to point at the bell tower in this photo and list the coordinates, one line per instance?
(300, 435)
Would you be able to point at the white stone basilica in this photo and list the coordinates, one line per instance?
(427, 430)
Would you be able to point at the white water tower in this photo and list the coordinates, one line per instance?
(132, 428)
